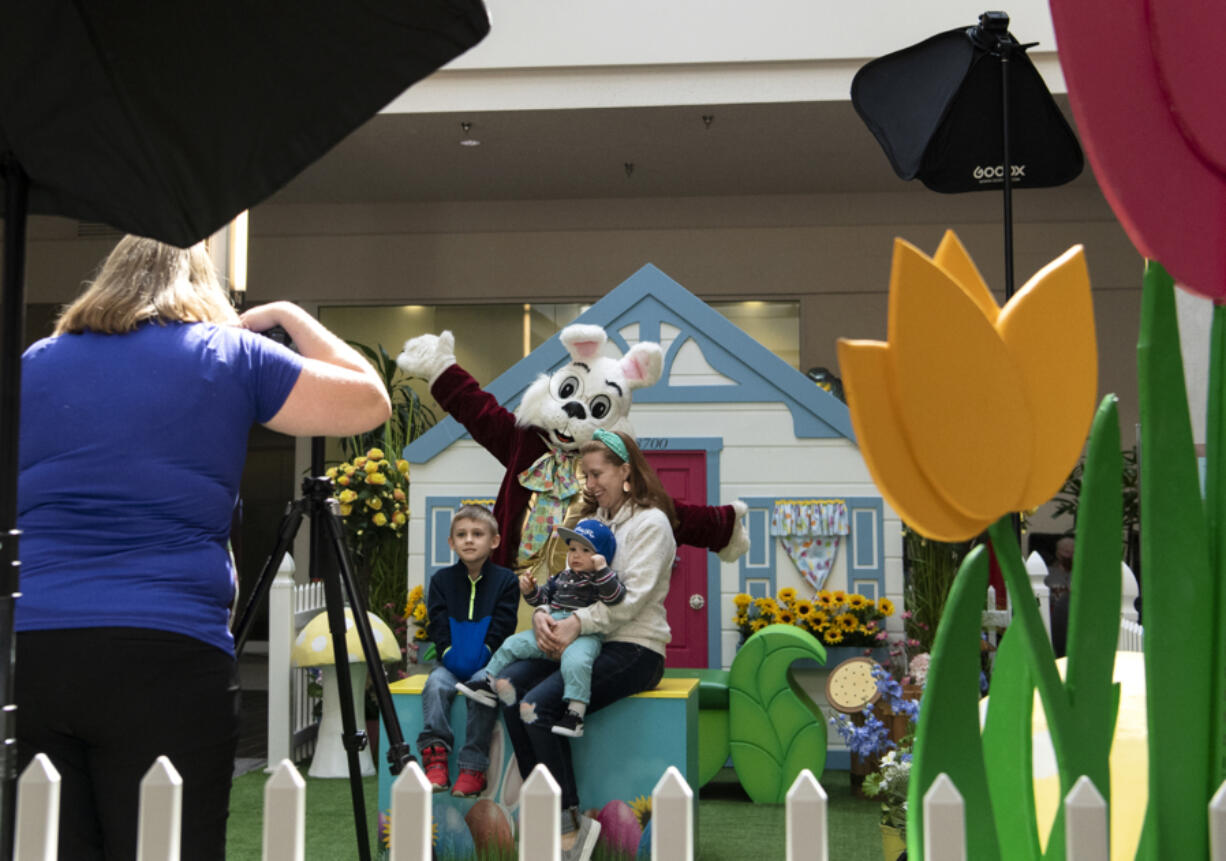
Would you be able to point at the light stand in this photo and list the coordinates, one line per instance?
(12, 332)
(992, 35)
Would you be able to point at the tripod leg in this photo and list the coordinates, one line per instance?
(285, 539)
(398, 752)
(352, 740)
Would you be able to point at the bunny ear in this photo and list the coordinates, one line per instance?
(642, 365)
(582, 341)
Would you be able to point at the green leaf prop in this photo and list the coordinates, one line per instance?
(1028, 625)
(1215, 511)
(774, 729)
(947, 738)
(1180, 667)
(1094, 622)
(1007, 751)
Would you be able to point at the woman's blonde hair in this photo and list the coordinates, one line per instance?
(143, 280)
(646, 489)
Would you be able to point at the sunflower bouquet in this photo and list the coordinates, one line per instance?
(836, 618)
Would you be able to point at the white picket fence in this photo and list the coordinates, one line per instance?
(1130, 636)
(672, 828)
(291, 718)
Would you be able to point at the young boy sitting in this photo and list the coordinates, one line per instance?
(586, 580)
(472, 607)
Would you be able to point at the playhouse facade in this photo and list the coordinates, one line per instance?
(727, 420)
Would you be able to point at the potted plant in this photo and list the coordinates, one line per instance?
(890, 783)
(930, 568)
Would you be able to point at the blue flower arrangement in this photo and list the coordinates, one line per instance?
(872, 737)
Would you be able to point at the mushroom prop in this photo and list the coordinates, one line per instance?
(313, 648)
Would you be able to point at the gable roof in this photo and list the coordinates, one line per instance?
(650, 306)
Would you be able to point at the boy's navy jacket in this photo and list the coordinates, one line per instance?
(470, 619)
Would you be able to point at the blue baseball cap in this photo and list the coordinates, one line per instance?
(593, 534)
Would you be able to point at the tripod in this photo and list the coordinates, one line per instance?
(324, 512)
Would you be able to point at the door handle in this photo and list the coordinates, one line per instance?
(697, 602)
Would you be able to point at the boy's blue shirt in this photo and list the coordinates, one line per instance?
(469, 618)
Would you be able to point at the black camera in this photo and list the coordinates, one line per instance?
(278, 334)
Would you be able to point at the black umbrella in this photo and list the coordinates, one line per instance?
(966, 110)
(166, 120)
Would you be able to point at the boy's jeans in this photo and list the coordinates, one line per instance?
(576, 663)
(436, 699)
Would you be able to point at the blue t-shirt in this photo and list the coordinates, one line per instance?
(132, 447)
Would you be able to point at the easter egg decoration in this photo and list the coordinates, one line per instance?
(454, 838)
(619, 827)
(490, 828)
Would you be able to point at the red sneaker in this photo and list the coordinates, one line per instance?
(469, 783)
(434, 760)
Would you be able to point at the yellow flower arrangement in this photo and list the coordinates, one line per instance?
(834, 617)
(373, 502)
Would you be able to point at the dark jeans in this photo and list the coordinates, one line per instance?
(103, 704)
(436, 699)
(621, 669)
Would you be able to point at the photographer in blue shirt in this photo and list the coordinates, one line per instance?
(134, 422)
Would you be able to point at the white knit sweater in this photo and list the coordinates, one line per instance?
(644, 562)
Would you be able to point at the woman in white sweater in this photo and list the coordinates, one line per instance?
(624, 492)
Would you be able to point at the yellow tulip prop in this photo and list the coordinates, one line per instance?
(970, 410)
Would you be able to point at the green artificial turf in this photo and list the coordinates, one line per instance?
(330, 833)
(730, 826)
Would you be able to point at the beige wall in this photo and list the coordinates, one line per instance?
(829, 252)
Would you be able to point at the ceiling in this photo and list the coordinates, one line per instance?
(746, 149)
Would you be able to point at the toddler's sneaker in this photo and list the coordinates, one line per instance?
(570, 724)
(480, 692)
(434, 759)
(470, 783)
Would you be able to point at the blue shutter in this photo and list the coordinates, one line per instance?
(866, 546)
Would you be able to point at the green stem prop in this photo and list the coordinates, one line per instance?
(1181, 669)
(1028, 623)
(1215, 512)
(1008, 750)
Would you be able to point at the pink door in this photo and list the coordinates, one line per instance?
(684, 474)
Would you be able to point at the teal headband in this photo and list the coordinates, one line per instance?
(614, 443)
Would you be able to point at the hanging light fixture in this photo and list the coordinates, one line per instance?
(468, 139)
